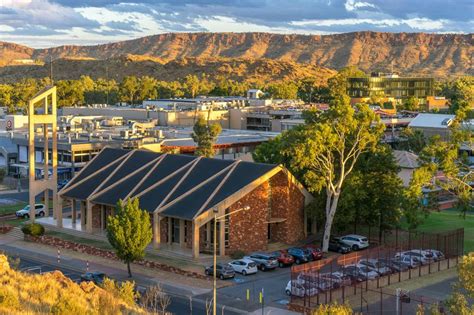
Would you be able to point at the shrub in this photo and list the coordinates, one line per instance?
(33, 229)
(238, 254)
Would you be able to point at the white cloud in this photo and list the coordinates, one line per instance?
(352, 5)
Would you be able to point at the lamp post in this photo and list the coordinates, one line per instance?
(214, 306)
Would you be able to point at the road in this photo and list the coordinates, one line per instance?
(179, 304)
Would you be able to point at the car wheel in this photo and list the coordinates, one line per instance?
(244, 273)
(26, 216)
(298, 261)
(207, 272)
(263, 268)
(221, 277)
(355, 247)
(281, 265)
(288, 292)
(41, 214)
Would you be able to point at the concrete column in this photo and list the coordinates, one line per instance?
(46, 202)
(59, 214)
(195, 242)
(208, 235)
(74, 211)
(182, 241)
(156, 230)
(82, 209)
(222, 238)
(89, 217)
(170, 231)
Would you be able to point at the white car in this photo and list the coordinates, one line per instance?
(437, 255)
(355, 241)
(375, 265)
(298, 288)
(244, 266)
(423, 256)
(25, 212)
(365, 271)
(409, 260)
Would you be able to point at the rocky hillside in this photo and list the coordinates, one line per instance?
(408, 53)
(261, 70)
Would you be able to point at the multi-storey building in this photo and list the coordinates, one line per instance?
(391, 86)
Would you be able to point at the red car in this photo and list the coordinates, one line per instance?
(316, 252)
(284, 259)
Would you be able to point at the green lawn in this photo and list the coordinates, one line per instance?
(450, 220)
(10, 209)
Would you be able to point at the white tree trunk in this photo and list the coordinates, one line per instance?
(331, 207)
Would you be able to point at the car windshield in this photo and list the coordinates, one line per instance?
(252, 264)
(364, 269)
(26, 208)
(363, 239)
(99, 276)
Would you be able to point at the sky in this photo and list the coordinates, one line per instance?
(48, 23)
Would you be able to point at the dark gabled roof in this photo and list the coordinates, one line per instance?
(181, 186)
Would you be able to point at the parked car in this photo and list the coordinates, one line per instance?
(355, 241)
(410, 260)
(335, 245)
(300, 289)
(62, 183)
(353, 273)
(284, 259)
(376, 265)
(423, 256)
(396, 265)
(25, 212)
(299, 254)
(315, 280)
(96, 277)
(316, 253)
(244, 266)
(365, 271)
(437, 255)
(264, 261)
(223, 271)
(338, 277)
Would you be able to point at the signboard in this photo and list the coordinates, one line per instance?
(9, 125)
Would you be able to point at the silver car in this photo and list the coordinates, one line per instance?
(264, 261)
(376, 265)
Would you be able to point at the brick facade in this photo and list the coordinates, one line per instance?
(278, 198)
(96, 221)
(248, 229)
(287, 203)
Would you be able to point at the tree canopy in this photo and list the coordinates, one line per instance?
(129, 231)
(205, 135)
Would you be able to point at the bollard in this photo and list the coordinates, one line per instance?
(87, 266)
(59, 256)
(248, 294)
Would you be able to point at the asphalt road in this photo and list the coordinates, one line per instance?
(179, 304)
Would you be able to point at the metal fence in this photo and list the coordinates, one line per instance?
(329, 279)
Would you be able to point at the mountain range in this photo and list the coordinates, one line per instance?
(248, 55)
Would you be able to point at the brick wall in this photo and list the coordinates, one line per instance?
(287, 203)
(96, 216)
(248, 229)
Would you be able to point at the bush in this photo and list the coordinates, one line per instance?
(238, 254)
(33, 229)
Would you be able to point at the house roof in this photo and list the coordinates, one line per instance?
(425, 120)
(406, 159)
(178, 186)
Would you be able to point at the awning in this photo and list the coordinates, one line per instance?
(276, 220)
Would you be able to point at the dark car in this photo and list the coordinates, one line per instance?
(335, 245)
(284, 259)
(300, 255)
(96, 277)
(395, 265)
(353, 273)
(316, 252)
(223, 271)
(62, 183)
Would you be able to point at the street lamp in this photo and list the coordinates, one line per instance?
(215, 250)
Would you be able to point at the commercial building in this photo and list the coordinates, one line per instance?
(183, 194)
(390, 86)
